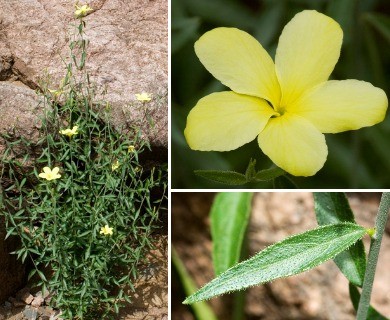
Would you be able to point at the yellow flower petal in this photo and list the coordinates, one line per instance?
(308, 50)
(115, 165)
(46, 170)
(225, 121)
(143, 96)
(337, 106)
(240, 62)
(294, 145)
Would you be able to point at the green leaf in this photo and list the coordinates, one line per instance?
(229, 218)
(269, 174)
(225, 177)
(250, 171)
(355, 298)
(41, 275)
(288, 257)
(333, 207)
(201, 309)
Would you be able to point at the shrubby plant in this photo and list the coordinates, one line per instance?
(79, 198)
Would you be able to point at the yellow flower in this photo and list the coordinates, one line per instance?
(115, 165)
(55, 93)
(143, 96)
(106, 230)
(131, 149)
(49, 174)
(137, 169)
(70, 132)
(288, 104)
(82, 11)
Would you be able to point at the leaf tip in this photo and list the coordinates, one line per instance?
(187, 300)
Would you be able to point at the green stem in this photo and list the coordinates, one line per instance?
(381, 219)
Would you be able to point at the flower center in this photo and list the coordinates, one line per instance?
(280, 109)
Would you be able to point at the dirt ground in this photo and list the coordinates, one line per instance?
(319, 294)
(150, 300)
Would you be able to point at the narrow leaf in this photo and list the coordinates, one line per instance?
(229, 219)
(288, 257)
(226, 177)
(251, 169)
(333, 207)
(269, 174)
(201, 309)
(355, 298)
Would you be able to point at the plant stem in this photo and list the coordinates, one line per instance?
(381, 219)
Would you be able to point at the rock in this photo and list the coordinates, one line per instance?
(127, 54)
(30, 313)
(19, 109)
(56, 316)
(38, 300)
(24, 296)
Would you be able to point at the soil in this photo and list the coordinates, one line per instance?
(321, 293)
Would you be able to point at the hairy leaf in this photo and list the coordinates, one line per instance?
(269, 174)
(288, 257)
(225, 177)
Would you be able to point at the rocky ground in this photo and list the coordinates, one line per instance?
(127, 54)
(319, 294)
(149, 302)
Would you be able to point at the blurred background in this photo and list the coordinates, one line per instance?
(357, 159)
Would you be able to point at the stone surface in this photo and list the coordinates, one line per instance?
(19, 109)
(24, 296)
(38, 300)
(127, 53)
(30, 313)
(12, 272)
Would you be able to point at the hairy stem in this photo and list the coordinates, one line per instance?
(383, 213)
